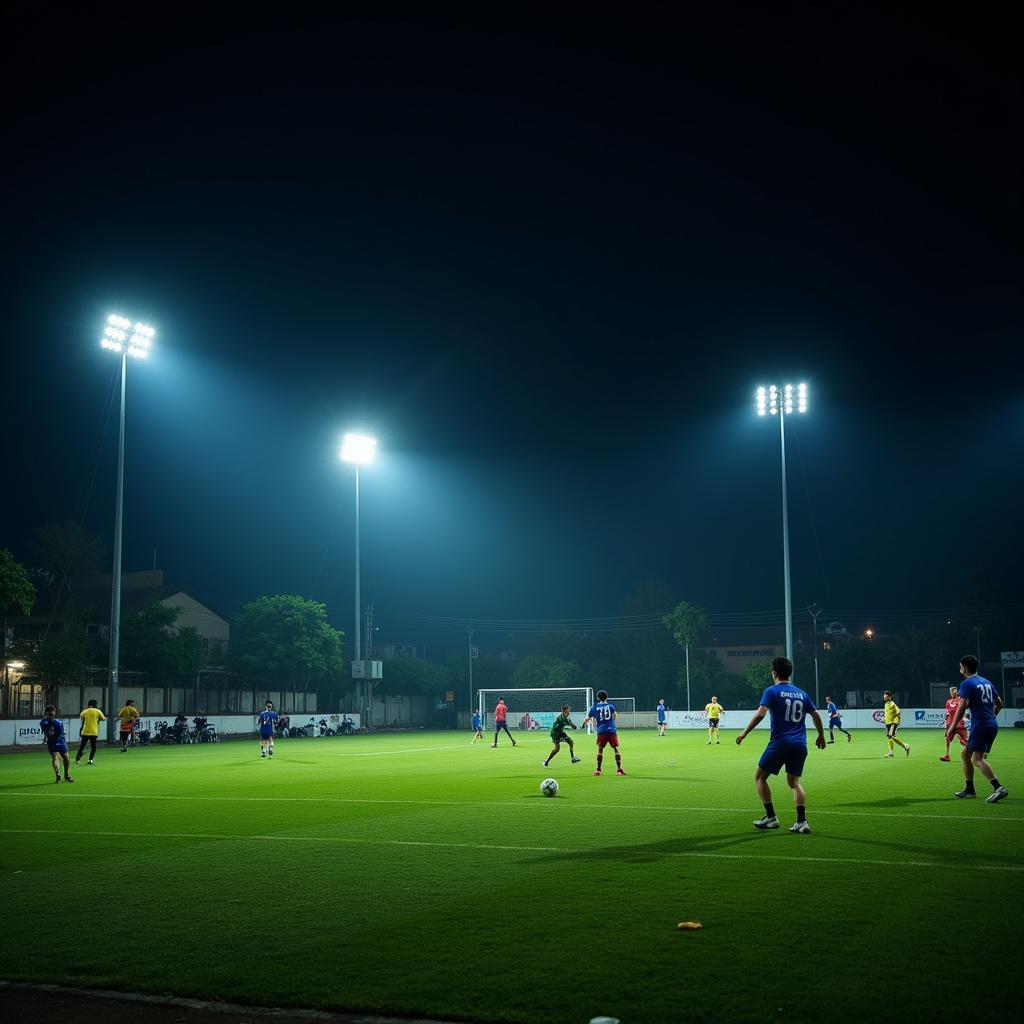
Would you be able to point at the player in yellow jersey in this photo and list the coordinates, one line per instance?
(128, 716)
(714, 712)
(892, 723)
(91, 718)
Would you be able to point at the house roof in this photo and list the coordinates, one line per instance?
(91, 598)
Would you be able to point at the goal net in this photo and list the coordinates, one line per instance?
(530, 709)
(625, 711)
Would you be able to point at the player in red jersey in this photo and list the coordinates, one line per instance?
(961, 730)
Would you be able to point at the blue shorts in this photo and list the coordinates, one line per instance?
(982, 737)
(57, 748)
(835, 723)
(266, 732)
(779, 753)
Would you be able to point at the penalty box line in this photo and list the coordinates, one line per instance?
(818, 811)
(352, 841)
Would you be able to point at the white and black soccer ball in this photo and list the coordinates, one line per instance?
(549, 787)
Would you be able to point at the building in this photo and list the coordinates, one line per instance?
(736, 647)
(88, 606)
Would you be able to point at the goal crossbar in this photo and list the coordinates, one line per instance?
(535, 707)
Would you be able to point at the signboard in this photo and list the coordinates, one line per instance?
(474, 652)
(1012, 659)
(368, 669)
(449, 695)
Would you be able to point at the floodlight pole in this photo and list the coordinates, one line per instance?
(785, 535)
(115, 595)
(469, 632)
(358, 647)
(358, 613)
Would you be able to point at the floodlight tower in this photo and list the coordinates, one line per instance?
(126, 339)
(359, 450)
(781, 402)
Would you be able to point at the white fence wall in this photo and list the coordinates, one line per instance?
(858, 718)
(23, 732)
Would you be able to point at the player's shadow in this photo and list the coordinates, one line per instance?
(666, 778)
(929, 854)
(646, 853)
(48, 784)
(895, 801)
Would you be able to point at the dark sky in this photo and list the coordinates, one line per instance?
(546, 262)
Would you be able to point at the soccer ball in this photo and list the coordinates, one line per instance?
(549, 787)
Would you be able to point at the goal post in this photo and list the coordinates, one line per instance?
(625, 711)
(535, 708)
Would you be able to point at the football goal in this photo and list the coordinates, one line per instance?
(535, 708)
(625, 711)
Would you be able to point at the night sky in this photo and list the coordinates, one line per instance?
(545, 262)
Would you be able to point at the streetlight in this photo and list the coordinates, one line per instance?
(359, 450)
(781, 402)
(126, 339)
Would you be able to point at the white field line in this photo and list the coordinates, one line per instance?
(507, 804)
(351, 841)
(404, 750)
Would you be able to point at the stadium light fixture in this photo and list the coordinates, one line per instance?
(126, 338)
(783, 401)
(358, 448)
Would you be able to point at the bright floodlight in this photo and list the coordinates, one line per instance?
(358, 448)
(789, 398)
(117, 338)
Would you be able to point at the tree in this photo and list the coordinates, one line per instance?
(151, 642)
(649, 658)
(69, 554)
(540, 670)
(686, 622)
(758, 675)
(17, 592)
(60, 657)
(285, 642)
(414, 675)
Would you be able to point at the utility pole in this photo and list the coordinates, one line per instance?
(368, 654)
(815, 610)
(977, 640)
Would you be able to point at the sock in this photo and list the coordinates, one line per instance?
(995, 783)
(618, 759)
(969, 785)
(769, 810)
(890, 746)
(801, 812)
(600, 758)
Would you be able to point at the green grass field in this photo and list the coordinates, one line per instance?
(415, 874)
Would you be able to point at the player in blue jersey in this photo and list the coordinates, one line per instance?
(267, 719)
(980, 697)
(478, 726)
(835, 720)
(56, 742)
(662, 716)
(603, 715)
(788, 743)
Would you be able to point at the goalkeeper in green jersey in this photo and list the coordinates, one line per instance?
(560, 736)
